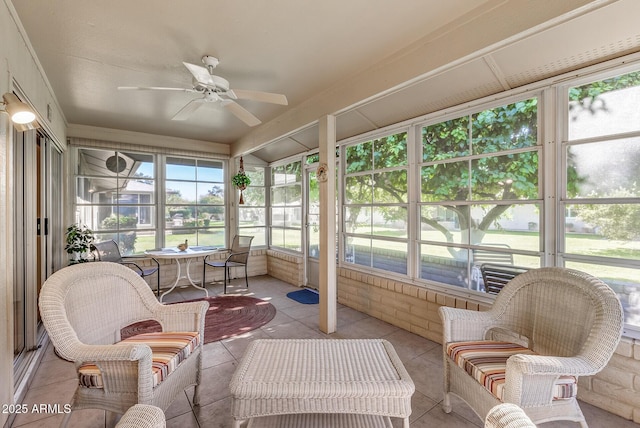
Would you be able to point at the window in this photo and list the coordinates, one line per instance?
(376, 202)
(601, 191)
(194, 202)
(480, 193)
(286, 206)
(115, 197)
(252, 219)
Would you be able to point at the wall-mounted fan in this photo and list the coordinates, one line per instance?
(215, 89)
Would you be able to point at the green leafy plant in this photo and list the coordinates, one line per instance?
(78, 239)
(241, 180)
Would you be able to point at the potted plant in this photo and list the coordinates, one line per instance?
(79, 239)
(241, 180)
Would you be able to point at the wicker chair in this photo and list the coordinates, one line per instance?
(143, 416)
(507, 415)
(83, 309)
(546, 328)
(238, 256)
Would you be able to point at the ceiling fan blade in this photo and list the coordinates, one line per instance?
(241, 113)
(265, 97)
(200, 73)
(153, 88)
(188, 109)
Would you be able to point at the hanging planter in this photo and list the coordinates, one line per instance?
(241, 180)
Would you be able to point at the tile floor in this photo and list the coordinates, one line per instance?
(56, 380)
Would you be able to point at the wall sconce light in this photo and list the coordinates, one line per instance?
(19, 112)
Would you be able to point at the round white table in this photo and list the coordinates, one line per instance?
(189, 254)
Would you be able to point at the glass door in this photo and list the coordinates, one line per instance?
(313, 230)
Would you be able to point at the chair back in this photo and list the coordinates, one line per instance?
(89, 303)
(562, 312)
(107, 251)
(240, 249)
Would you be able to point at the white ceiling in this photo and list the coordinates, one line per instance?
(404, 58)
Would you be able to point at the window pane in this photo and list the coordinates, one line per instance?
(258, 234)
(390, 221)
(174, 237)
(210, 236)
(180, 192)
(516, 226)
(277, 237)
(444, 264)
(610, 106)
(390, 187)
(446, 140)
(445, 182)
(444, 223)
(278, 196)
(143, 166)
(604, 169)
(293, 216)
(277, 216)
(358, 251)
(294, 194)
(505, 128)
(624, 281)
(389, 256)
(292, 239)
(390, 151)
(256, 174)
(358, 189)
(358, 220)
(513, 176)
(359, 157)
(180, 169)
(293, 172)
(249, 216)
(208, 170)
(212, 194)
(605, 230)
(254, 196)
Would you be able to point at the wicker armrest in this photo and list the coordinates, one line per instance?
(187, 316)
(83, 353)
(463, 324)
(545, 365)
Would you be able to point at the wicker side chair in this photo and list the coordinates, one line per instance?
(546, 328)
(507, 415)
(143, 416)
(83, 309)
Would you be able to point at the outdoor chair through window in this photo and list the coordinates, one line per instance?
(238, 257)
(108, 251)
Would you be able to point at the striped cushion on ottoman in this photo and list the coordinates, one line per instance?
(486, 361)
(169, 350)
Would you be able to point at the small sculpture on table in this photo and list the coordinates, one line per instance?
(183, 247)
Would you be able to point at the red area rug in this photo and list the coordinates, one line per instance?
(226, 317)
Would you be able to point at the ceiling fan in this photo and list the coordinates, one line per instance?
(215, 89)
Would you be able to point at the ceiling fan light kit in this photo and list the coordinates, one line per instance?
(216, 89)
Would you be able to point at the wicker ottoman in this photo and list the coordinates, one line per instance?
(296, 376)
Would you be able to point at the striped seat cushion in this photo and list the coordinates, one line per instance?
(486, 361)
(168, 349)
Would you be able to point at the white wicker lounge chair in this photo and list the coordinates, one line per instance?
(84, 307)
(507, 415)
(546, 328)
(143, 416)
